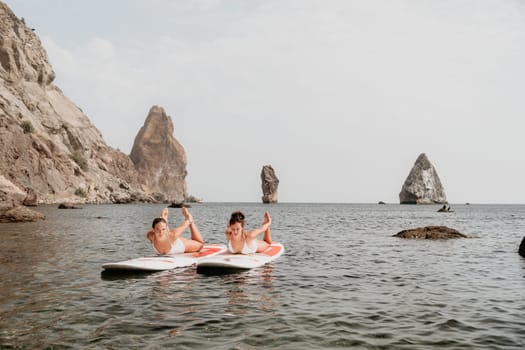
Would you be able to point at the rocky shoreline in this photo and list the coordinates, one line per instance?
(50, 152)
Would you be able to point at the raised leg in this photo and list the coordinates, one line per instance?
(268, 236)
(195, 243)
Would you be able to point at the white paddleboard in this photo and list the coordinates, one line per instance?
(166, 262)
(241, 261)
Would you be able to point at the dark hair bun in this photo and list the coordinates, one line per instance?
(237, 216)
(156, 221)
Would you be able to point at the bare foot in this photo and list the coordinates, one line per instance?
(187, 214)
(267, 218)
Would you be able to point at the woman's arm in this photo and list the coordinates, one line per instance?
(177, 231)
(150, 234)
(266, 225)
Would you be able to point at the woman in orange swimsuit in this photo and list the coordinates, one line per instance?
(165, 241)
(246, 242)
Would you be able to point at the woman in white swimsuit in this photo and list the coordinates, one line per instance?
(246, 242)
(165, 241)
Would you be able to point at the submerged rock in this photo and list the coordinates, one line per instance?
(431, 232)
(179, 205)
(68, 206)
(270, 182)
(422, 186)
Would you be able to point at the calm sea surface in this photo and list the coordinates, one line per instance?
(342, 282)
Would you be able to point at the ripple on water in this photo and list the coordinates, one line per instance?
(343, 282)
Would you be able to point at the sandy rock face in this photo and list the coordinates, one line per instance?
(159, 158)
(22, 56)
(19, 213)
(422, 186)
(47, 144)
(270, 183)
(10, 194)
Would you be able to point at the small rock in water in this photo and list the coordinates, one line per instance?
(67, 206)
(20, 214)
(521, 251)
(431, 232)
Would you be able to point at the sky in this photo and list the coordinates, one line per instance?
(340, 97)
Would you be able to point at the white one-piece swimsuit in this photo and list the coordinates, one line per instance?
(176, 248)
(246, 249)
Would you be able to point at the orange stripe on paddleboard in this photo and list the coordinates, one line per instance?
(206, 251)
(272, 250)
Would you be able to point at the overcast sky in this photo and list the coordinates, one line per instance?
(340, 97)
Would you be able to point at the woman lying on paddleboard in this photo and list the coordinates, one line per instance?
(165, 241)
(246, 242)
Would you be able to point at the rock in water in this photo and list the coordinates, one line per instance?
(422, 185)
(521, 251)
(431, 232)
(20, 214)
(270, 182)
(159, 158)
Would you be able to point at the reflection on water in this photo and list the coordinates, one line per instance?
(250, 289)
(343, 282)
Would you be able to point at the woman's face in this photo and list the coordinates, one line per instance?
(236, 228)
(161, 229)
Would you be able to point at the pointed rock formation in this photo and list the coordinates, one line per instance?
(46, 142)
(270, 182)
(159, 158)
(422, 185)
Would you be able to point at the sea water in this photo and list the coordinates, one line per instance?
(343, 281)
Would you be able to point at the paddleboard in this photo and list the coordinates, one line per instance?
(228, 260)
(166, 262)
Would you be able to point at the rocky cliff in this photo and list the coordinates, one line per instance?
(270, 182)
(422, 185)
(159, 158)
(47, 143)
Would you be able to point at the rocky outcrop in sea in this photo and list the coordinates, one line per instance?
(431, 232)
(159, 158)
(422, 186)
(48, 146)
(270, 183)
